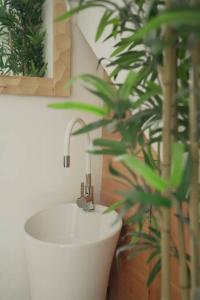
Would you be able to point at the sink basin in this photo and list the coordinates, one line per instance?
(69, 252)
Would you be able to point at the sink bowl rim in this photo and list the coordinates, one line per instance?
(117, 228)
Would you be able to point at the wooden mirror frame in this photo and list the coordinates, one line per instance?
(43, 86)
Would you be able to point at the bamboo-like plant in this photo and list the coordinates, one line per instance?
(158, 45)
(22, 38)
(194, 149)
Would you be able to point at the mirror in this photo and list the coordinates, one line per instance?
(22, 38)
(34, 50)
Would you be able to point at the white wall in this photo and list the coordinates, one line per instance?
(31, 172)
(87, 22)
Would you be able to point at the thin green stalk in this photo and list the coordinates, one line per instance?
(169, 91)
(183, 271)
(194, 149)
(167, 117)
(194, 106)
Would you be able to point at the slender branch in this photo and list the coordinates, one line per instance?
(194, 149)
(183, 272)
(165, 239)
(169, 90)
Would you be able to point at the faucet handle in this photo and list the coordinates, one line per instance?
(88, 206)
(86, 199)
(81, 200)
(89, 199)
(89, 193)
(82, 189)
(89, 189)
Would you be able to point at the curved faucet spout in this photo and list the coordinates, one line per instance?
(87, 199)
(68, 134)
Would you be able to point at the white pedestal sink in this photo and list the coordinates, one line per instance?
(69, 252)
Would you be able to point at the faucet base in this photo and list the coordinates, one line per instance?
(89, 207)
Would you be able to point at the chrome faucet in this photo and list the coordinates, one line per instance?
(86, 199)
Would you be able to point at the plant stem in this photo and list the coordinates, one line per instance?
(183, 272)
(169, 90)
(194, 149)
(165, 239)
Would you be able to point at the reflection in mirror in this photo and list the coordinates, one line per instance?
(35, 52)
(22, 38)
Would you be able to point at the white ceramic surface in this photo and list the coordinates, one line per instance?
(69, 252)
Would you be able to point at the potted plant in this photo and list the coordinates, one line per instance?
(159, 46)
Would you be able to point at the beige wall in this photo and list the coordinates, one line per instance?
(88, 21)
(31, 173)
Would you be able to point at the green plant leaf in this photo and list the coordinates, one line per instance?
(154, 272)
(114, 206)
(155, 232)
(144, 236)
(70, 13)
(152, 256)
(145, 171)
(92, 126)
(126, 247)
(119, 145)
(106, 151)
(148, 159)
(146, 96)
(71, 81)
(102, 24)
(80, 106)
(183, 189)
(120, 48)
(113, 171)
(97, 86)
(177, 164)
(129, 84)
(137, 250)
(175, 17)
(102, 86)
(137, 218)
(155, 199)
